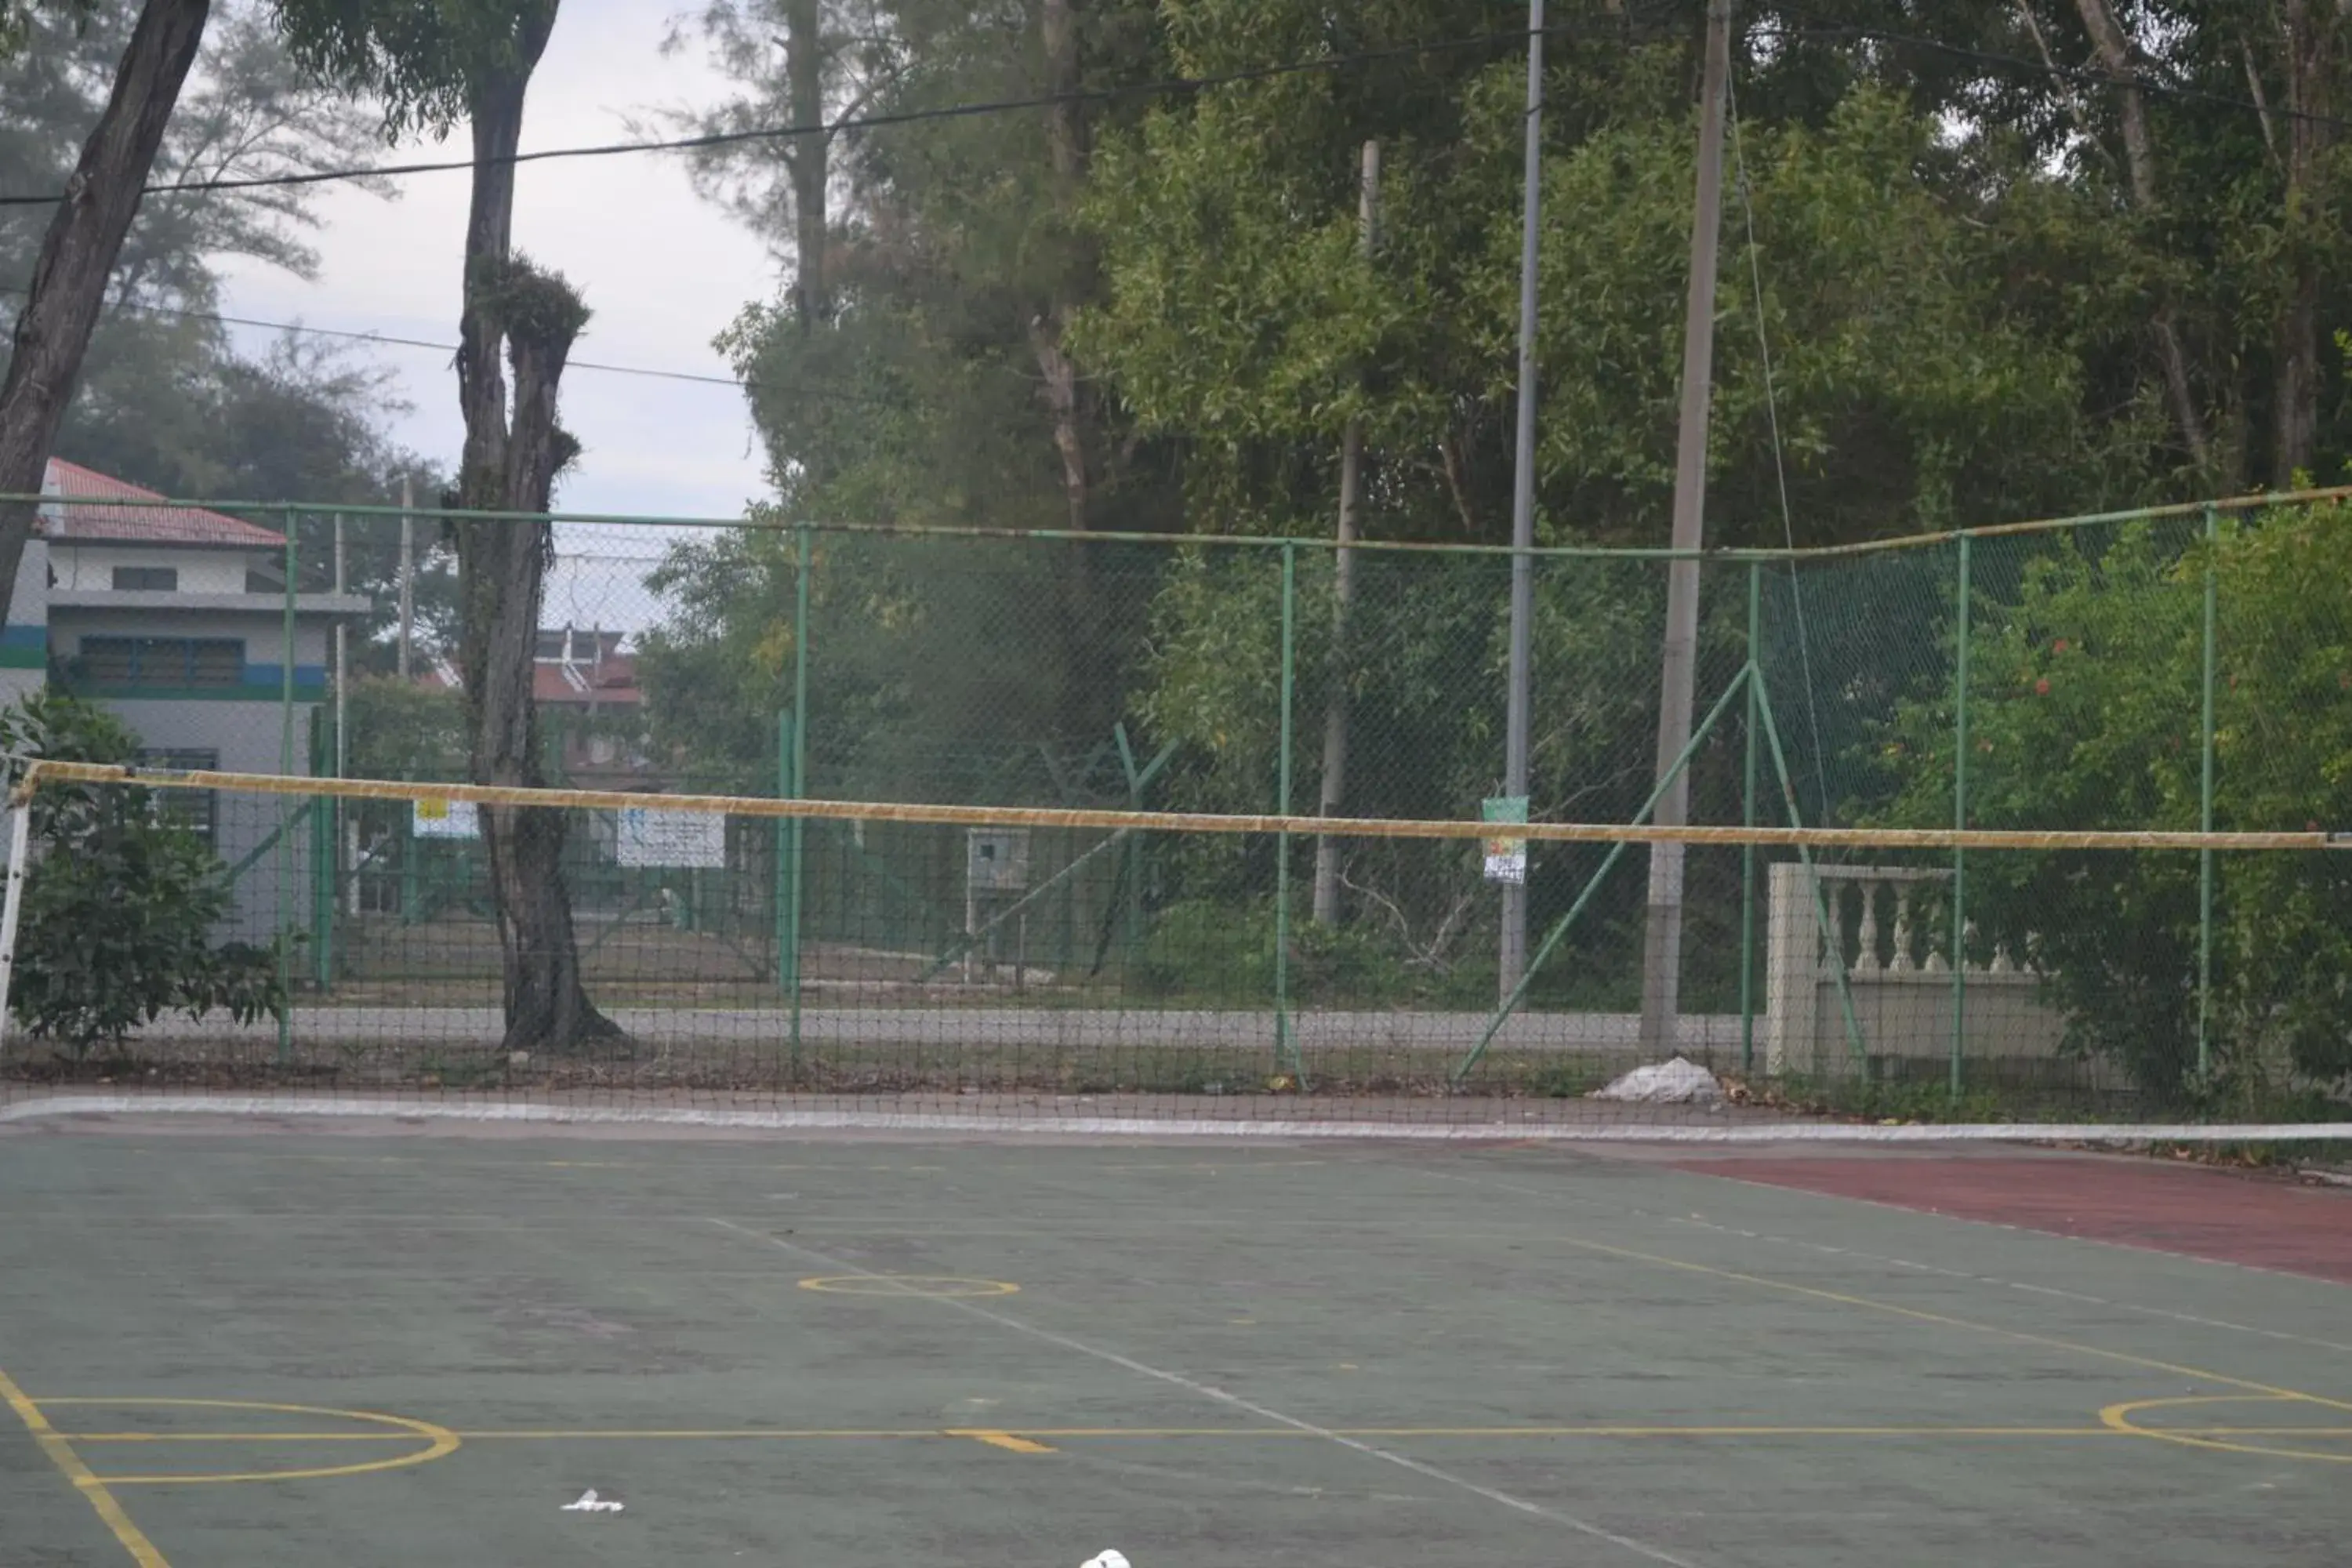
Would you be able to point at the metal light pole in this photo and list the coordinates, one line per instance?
(1514, 956)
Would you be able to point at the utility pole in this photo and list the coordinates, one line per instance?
(1343, 588)
(1514, 955)
(408, 571)
(1662, 949)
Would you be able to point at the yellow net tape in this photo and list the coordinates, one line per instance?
(46, 771)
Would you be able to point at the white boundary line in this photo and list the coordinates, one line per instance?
(50, 1107)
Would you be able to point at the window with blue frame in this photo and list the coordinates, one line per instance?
(162, 662)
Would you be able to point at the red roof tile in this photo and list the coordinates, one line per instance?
(138, 524)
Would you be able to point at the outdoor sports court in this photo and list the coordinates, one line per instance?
(245, 1345)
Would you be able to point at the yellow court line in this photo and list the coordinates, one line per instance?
(60, 1450)
(2118, 1417)
(1916, 1314)
(1004, 1440)
(437, 1441)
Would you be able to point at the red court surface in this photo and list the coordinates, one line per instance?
(2225, 1217)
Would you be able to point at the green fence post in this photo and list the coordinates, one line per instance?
(2205, 806)
(796, 832)
(292, 522)
(1285, 1046)
(781, 870)
(1747, 852)
(1964, 635)
(322, 846)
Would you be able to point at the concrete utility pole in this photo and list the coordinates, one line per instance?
(1662, 949)
(1514, 955)
(1343, 588)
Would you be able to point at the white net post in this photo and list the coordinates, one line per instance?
(12, 908)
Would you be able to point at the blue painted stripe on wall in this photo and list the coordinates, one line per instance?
(273, 677)
(25, 636)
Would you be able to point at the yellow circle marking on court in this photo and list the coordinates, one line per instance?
(2234, 1439)
(434, 1441)
(933, 1287)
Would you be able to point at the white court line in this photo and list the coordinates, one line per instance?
(1234, 1401)
(287, 1107)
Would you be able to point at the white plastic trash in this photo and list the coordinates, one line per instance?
(1107, 1559)
(1677, 1082)
(591, 1503)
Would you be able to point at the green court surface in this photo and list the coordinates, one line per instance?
(243, 1347)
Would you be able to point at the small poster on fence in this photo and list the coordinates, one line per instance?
(672, 838)
(435, 818)
(1507, 858)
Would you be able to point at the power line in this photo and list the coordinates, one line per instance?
(846, 393)
(1163, 88)
(302, 330)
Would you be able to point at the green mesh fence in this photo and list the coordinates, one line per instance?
(2181, 672)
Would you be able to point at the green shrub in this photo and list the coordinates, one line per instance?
(2084, 713)
(119, 904)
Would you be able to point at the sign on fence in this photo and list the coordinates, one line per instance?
(1507, 858)
(651, 837)
(434, 818)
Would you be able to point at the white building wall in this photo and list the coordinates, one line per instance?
(84, 568)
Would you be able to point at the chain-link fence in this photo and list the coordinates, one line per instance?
(2183, 670)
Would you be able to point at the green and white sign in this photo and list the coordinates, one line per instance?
(1507, 858)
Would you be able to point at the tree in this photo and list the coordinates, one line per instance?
(800, 63)
(2083, 713)
(122, 897)
(70, 281)
(431, 63)
(163, 398)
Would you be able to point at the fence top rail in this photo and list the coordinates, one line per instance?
(759, 523)
(44, 771)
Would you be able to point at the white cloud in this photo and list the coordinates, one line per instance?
(663, 271)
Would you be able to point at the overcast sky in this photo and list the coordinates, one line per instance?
(663, 270)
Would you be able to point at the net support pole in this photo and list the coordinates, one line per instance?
(2205, 804)
(1747, 819)
(12, 904)
(1552, 939)
(286, 766)
(1285, 1047)
(797, 778)
(1963, 634)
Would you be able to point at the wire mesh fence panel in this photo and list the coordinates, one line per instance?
(2073, 999)
(2183, 672)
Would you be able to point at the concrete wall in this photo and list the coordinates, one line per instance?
(262, 630)
(81, 568)
(25, 636)
(246, 735)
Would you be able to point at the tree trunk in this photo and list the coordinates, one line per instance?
(2308, 44)
(806, 159)
(1066, 139)
(2139, 160)
(510, 466)
(85, 234)
(1343, 587)
(1334, 792)
(1059, 384)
